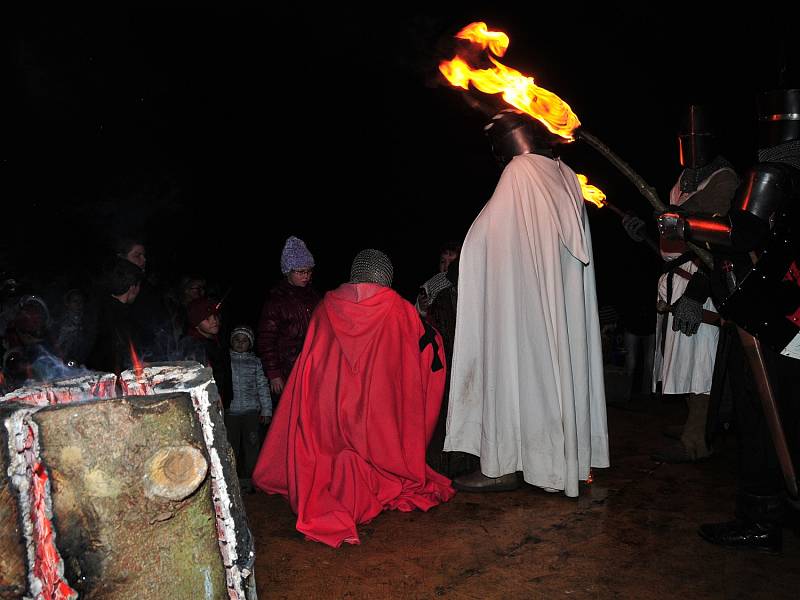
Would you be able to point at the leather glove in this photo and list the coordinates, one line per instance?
(687, 314)
(671, 226)
(634, 227)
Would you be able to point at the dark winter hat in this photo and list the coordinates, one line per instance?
(199, 310)
(295, 256)
(246, 332)
(32, 317)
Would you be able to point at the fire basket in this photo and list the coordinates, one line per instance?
(121, 496)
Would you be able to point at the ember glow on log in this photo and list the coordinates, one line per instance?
(590, 192)
(517, 89)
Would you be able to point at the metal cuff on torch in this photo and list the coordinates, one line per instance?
(671, 226)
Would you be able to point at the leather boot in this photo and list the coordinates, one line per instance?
(478, 482)
(757, 526)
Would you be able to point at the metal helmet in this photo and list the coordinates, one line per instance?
(778, 117)
(512, 133)
(372, 266)
(696, 143)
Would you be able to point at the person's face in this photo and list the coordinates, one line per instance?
(445, 258)
(210, 326)
(240, 343)
(301, 277)
(194, 289)
(137, 256)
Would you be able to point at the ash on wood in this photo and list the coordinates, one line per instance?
(13, 580)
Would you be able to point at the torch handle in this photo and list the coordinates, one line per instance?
(622, 214)
(646, 190)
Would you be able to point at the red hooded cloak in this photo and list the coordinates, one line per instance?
(348, 439)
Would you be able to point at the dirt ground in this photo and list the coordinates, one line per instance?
(631, 534)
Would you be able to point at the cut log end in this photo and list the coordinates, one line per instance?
(174, 473)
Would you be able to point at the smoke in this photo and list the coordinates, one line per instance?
(48, 367)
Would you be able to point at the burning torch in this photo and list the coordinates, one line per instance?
(522, 93)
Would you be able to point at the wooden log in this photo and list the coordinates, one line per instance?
(117, 539)
(235, 540)
(174, 473)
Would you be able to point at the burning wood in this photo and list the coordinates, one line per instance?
(30, 480)
(64, 391)
(132, 512)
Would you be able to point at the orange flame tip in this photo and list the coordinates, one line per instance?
(518, 90)
(590, 192)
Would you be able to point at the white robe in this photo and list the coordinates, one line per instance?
(687, 365)
(526, 390)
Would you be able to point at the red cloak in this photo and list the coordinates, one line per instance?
(348, 439)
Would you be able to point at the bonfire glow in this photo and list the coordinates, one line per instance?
(517, 89)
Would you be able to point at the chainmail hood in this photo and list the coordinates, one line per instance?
(691, 178)
(372, 266)
(787, 153)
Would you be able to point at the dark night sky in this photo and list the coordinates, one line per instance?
(218, 133)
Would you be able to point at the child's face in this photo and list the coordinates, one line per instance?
(240, 343)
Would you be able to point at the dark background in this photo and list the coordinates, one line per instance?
(217, 133)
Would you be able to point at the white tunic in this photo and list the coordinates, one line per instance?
(687, 364)
(526, 390)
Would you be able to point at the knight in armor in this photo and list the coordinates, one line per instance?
(687, 327)
(756, 283)
(360, 405)
(526, 391)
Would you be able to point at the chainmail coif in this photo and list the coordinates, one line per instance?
(788, 153)
(372, 266)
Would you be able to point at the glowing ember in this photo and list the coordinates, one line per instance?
(48, 566)
(30, 478)
(589, 479)
(591, 193)
(517, 89)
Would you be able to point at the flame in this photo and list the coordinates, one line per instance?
(590, 192)
(518, 90)
(478, 33)
(138, 365)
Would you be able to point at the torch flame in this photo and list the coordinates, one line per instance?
(590, 192)
(518, 90)
(478, 33)
(138, 365)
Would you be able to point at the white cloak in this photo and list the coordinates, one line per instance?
(687, 365)
(526, 391)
